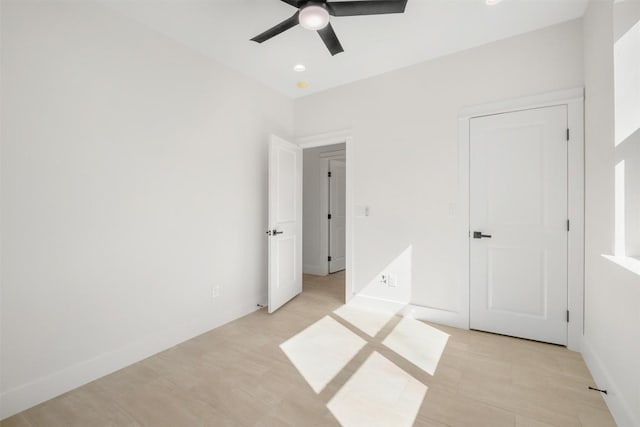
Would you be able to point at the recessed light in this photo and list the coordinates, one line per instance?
(299, 68)
(302, 85)
(492, 2)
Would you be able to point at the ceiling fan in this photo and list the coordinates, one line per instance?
(314, 16)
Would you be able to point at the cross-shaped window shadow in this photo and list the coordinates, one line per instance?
(368, 364)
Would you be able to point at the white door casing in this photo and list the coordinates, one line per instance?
(285, 222)
(337, 210)
(518, 195)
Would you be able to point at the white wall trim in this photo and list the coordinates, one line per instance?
(321, 140)
(444, 317)
(618, 406)
(463, 215)
(574, 100)
(331, 138)
(337, 154)
(576, 212)
(28, 395)
(524, 103)
(316, 270)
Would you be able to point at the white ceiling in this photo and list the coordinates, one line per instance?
(373, 45)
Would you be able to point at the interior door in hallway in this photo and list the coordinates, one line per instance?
(285, 222)
(518, 224)
(337, 212)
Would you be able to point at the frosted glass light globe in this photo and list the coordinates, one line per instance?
(313, 18)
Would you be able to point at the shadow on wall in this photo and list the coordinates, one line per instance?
(626, 248)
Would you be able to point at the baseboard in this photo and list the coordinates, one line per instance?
(316, 270)
(618, 406)
(443, 317)
(28, 395)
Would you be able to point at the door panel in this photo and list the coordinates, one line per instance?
(285, 222)
(518, 183)
(286, 185)
(529, 296)
(337, 208)
(286, 253)
(523, 164)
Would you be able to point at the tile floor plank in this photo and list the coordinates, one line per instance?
(237, 375)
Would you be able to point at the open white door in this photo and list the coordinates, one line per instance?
(285, 222)
(518, 219)
(337, 212)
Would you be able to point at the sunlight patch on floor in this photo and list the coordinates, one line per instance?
(368, 314)
(378, 394)
(321, 351)
(418, 342)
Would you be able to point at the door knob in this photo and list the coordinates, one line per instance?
(276, 232)
(479, 235)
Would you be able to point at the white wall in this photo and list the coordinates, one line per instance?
(405, 131)
(626, 76)
(133, 181)
(313, 259)
(118, 146)
(612, 293)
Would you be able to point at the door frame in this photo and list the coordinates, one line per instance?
(574, 100)
(332, 138)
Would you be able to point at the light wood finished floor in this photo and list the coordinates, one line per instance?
(237, 375)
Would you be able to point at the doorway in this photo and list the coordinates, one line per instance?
(336, 177)
(324, 209)
(286, 203)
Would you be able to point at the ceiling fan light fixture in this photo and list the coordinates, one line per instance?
(313, 17)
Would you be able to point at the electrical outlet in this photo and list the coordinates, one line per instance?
(384, 279)
(216, 291)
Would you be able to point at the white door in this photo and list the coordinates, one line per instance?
(337, 212)
(518, 197)
(285, 222)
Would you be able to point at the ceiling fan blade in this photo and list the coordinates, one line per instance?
(280, 28)
(370, 7)
(330, 39)
(293, 3)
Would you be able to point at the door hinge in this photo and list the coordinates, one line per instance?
(568, 225)
(329, 216)
(329, 174)
(329, 258)
(568, 134)
(567, 316)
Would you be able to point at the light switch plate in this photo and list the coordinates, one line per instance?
(392, 280)
(362, 211)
